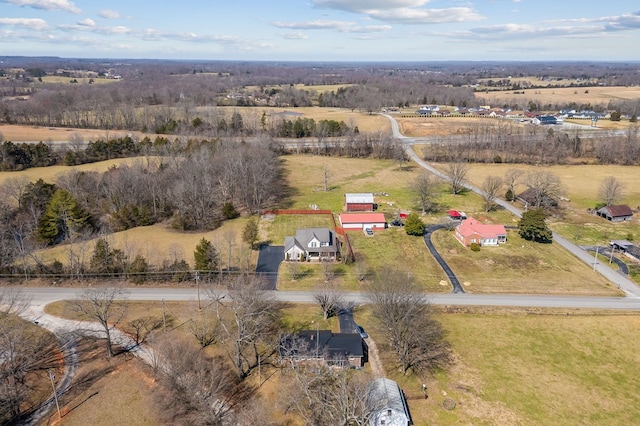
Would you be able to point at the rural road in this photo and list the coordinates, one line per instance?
(41, 296)
(623, 283)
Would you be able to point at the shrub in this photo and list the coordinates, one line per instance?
(474, 247)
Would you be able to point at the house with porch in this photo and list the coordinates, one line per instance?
(309, 244)
(471, 231)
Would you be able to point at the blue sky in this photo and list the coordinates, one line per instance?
(323, 30)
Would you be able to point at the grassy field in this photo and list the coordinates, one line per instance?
(600, 95)
(512, 366)
(17, 133)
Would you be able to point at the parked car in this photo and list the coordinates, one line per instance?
(397, 222)
(368, 231)
(360, 330)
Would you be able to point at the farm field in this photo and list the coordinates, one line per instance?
(512, 366)
(17, 133)
(600, 95)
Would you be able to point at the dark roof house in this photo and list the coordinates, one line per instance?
(618, 213)
(534, 198)
(311, 243)
(326, 347)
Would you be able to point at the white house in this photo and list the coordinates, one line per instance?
(311, 244)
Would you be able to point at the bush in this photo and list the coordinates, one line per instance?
(474, 247)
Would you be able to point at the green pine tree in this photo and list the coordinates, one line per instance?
(533, 227)
(63, 218)
(414, 225)
(206, 256)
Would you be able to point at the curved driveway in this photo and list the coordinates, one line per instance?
(629, 287)
(455, 283)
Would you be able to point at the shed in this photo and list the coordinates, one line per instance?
(387, 404)
(619, 213)
(361, 202)
(362, 220)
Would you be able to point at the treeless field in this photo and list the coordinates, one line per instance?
(600, 95)
(16, 133)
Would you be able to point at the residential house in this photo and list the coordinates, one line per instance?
(618, 213)
(362, 220)
(311, 244)
(325, 347)
(471, 231)
(359, 202)
(536, 198)
(387, 404)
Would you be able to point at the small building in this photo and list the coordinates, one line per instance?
(618, 213)
(362, 221)
(387, 404)
(311, 244)
(325, 347)
(532, 198)
(471, 231)
(359, 202)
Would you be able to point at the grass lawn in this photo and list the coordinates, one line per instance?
(520, 266)
(546, 368)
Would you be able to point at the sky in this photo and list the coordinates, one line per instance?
(323, 30)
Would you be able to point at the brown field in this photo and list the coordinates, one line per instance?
(16, 133)
(49, 174)
(79, 80)
(600, 95)
(159, 243)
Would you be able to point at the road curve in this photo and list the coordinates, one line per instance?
(626, 285)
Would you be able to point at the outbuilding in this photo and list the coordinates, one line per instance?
(619, 213)
(361, 202)
(362, 221)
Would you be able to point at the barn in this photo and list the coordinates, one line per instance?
(359, 202)
(362, 220)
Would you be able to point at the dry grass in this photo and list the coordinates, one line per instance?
(17, 133)
(581, 95)
(520, 266)
(159, 243)
(50, 174)
(116, 391)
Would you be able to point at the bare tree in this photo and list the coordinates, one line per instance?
(107, 305)
(511, 179)
(142, 327)
(251, 325)
(611, 190)
(406, 322)
(330, 300)
(490, 189)
(205, 328)
(545, 188)
(425, 187)
(457, 172)
(337, 396)
(199, 390)
(12, 303)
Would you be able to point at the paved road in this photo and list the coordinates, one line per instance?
(41, 296)
(629, 287)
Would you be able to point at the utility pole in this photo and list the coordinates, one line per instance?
(595, 258)
(55, 394)
(164, 318)
(198, 287)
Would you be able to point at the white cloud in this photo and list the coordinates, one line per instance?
(65, 5)
(363, 6)
(110, 14)
(402, 11)
(31, 23)
(342, 26)
(88, 22)
(294, 36)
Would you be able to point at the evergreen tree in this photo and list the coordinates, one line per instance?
(414, 225)
(63, 218)
(533, 227)
(250, 232)
(206, 256)
(106, 260)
